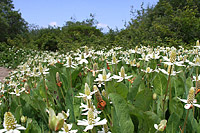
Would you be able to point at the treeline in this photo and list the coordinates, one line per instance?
(170, 22)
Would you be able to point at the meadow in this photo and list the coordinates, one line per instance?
(143, 89)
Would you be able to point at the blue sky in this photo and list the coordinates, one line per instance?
(112, 13)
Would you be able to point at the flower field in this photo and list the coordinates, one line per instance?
(143, 89)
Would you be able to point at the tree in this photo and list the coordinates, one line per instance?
(170, 22)
(11, 22)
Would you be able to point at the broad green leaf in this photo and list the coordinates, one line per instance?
(150, 118)
(35, 128)
(116, 127)
(177, 86)
(122, 113)
(192, 124)
(175, 106)
(160, 84)
(173, 123)
(69, 104)
(133, 90)
(119, 88)
(143, 99)
(18, 113)
(189, 84)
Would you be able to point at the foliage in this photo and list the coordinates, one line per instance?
(11, 22)
(48, 82)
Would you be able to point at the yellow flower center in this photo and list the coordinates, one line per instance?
(66, 127)
(197, 43)
(9, 120)
(90, 117)
(191, 96)
(148, 69)
(173, 56)
(197, 61)
(169, 68)
(114, 59)
(122, 72)
(95, 66)
(87, 89)
(69, 61)
(17, 91)
(82, 56)
(104, 75)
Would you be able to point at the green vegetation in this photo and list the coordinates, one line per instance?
(151, 84)
(169, 23)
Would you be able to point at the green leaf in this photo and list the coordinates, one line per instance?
(35, 128)
(143, 99)
(175, 106)
(69, 104)
(177, 86)
(189, 84)
(150, 118)
(173, 123)
(192, 124)
(122, 113)
(160, 84)
(116, 127)
(133, 90)
(119, 88)
(18, 113)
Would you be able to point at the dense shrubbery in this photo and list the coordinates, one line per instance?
(169, 23)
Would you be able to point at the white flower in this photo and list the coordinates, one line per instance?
(70, 63)
(67, 129)
(173, 73)
(34, 73)
(190, 101)
(43, 70)
(161, 126)
(10, 124)
(85, 109)
(91, 121)
(122, 75)
(153, 56)
(148, 70)
(196, 62)
(103, 77)
(194, 78)
(88, 94)
(17, 91)
(144, 57)
(82, 58)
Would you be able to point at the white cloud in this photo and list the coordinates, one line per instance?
(53, 24)
(101, 25)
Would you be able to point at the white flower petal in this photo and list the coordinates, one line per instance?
(183, 100)
(102, 122)
(120, 79)
(156, 126)
(69, 126)
(73, 131)
(127, 77)
(88, 128)
(187, 106)
(3, 130)
(197, 105)
(83, 122)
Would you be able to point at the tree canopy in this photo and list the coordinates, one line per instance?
(169, 22)
(11, 22)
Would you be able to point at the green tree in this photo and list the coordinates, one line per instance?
(11, 22)
(170, 22)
